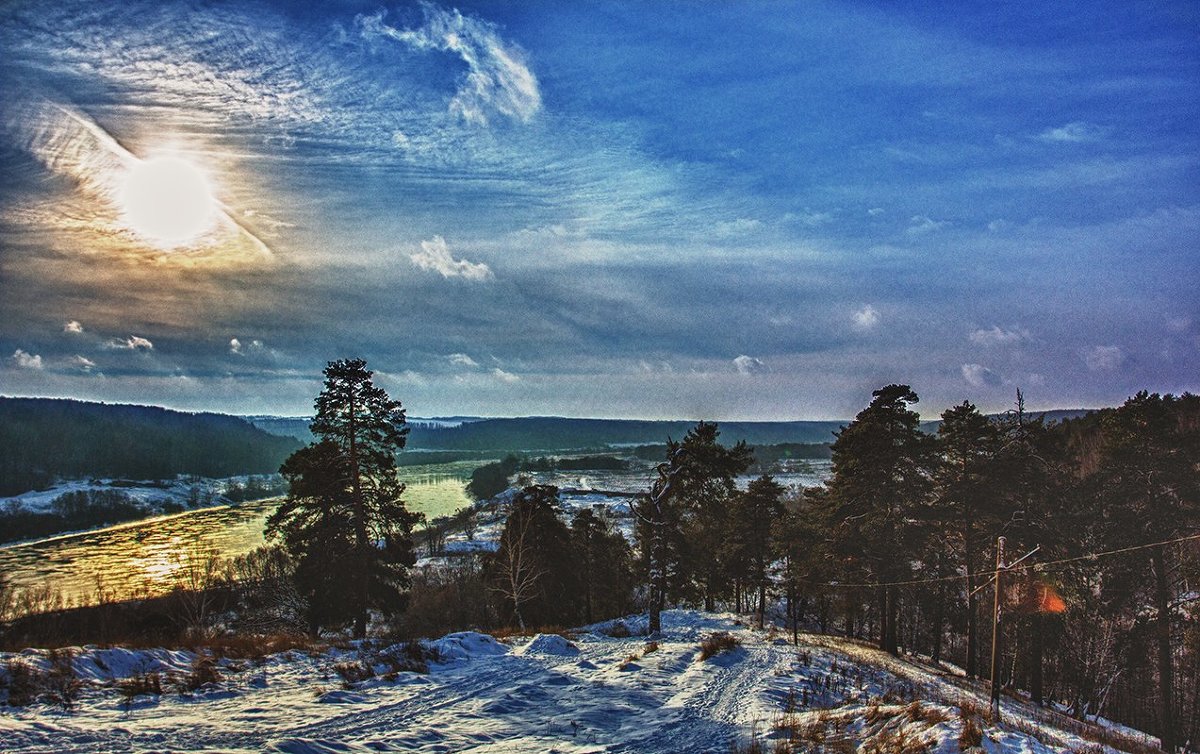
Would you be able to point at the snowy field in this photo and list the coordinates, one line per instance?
(594, 693)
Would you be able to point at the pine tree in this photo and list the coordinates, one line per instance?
(882, 466)
(755, 515)
(681, 522)
(344, 520)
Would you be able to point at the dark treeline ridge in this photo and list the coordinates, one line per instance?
(557, 433)
(900, 546)
(46, 439)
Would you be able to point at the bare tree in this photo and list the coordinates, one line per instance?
(518, 567)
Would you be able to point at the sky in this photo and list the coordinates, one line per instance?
(657, 210)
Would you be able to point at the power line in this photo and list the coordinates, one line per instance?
(1036, 567)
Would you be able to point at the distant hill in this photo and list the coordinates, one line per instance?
(552, 433)
(42, 439)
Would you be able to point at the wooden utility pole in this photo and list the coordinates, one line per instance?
(995, 676)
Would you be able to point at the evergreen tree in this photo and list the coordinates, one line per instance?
(533, 571)
(682, 521)
(966, 503)
(756, 513)
(603, 558)
(882, 466)
(344, 520)
(1148, 478)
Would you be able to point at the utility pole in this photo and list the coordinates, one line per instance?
(995, 676)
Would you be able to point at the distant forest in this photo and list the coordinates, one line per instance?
(46, 439)
(553, 433)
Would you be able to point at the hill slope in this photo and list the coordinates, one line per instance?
(597, 693)
(44, 439)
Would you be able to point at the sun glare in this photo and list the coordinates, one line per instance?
(168, 201)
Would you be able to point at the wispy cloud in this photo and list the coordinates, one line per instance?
(25, 360)
(132, 343)
(920, 224)
(83, 363)
(865, 318)
(1075, 132)
(504, 376)
(998, 336)
(435, 255)
(978, 375)
(462, 360)
(748, 365)
(1103, 358)
(498, 79)
(73, 327)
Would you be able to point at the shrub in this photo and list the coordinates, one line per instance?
(203, 673)
(972, 731)
(23, 682)
(142, 684)
(715, 644)
(61, 685)
(354, 672)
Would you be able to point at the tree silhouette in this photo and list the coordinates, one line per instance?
(344, 520)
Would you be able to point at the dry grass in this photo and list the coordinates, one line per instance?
(715, 644)
(142, 684)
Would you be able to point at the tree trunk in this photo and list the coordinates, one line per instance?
(1166, 671)
(893, 604)
(883, 618)
(1036, 648)
(939, 619)
(362, 585)
(971, 665)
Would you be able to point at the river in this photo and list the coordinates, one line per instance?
(152, 556)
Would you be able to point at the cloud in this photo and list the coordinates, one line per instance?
(978, 375)
(748, 365)
(865, 318)
(462, 360)
(504, 376)
(997, 336)
(498, 78)
(921, 224)
(132, 343)
(739, 227)
(875, 211)
(435, 255)
(82, 362)
(235, 346)
(73, 327)
(1103, 358)
(1075, 132)
(25, 360)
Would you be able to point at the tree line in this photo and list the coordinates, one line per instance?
(45, 440)
(898, 546)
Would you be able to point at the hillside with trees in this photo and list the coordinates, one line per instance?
(47, 439)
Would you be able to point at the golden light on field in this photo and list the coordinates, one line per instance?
(168, 201)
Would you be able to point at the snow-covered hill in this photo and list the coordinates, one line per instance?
(594, 693)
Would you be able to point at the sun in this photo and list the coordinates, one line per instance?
(167, 201)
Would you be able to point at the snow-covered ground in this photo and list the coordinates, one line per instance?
(594, 693)
(184, 490)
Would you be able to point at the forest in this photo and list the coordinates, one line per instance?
(47, 439)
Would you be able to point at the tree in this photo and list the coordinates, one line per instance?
(966, 495)
(882, 465)
(603, 565)
(344, 521)
(756, 513)
(681, 522)
(534, 568)
(1148, 475)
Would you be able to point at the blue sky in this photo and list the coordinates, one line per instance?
(684, 210)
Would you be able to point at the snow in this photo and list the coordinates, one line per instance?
(591, 693)
(182, 490)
